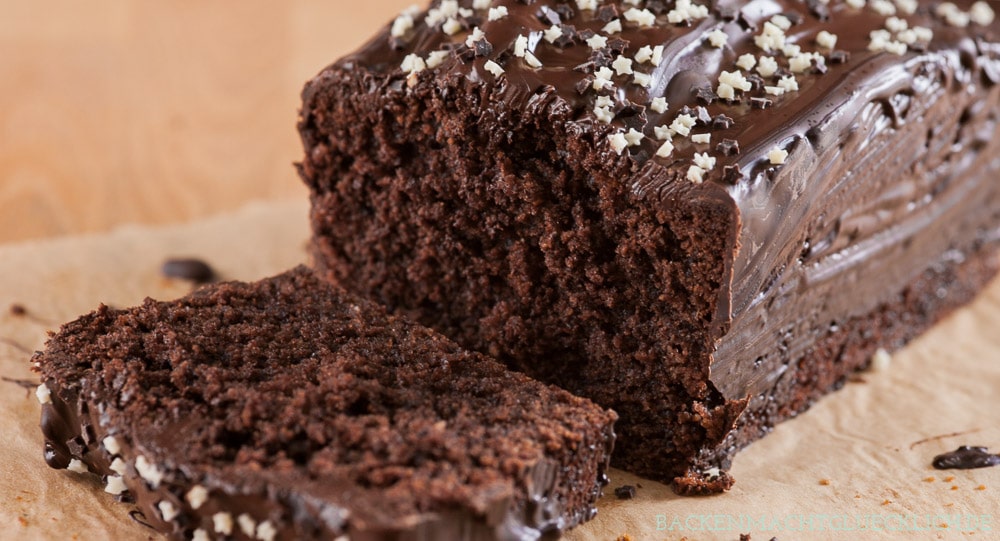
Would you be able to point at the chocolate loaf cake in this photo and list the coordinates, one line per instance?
(704, 215)
(286, 409)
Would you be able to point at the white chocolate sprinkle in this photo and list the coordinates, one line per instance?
(451, 26)
(657, 55)
(781, 22)
(266, 531)
(412, 63)
(402, 25)
(197, 496)
(774, 90)
(493, 68)
(532, 60)
(597, 41)
(642, 79)
(167, 510)
(618, 142)
(736, 80)
(622, 65)
(474, 36)
(553, 33)
(717, 38)
(112, 446)
(881, 360)
(789, 83)
(791, 49)
(746, 62)
(665, 149)
(447, 9)
(481, 4)
(612, 27)
(634, 137)
(43, 394)
(663, 132)
(701, 138)
(800, 63)
(777, 156)
(712, 473)
(981, 13)
(896, 25)
(436, 58)
(896, 47)
(923, 33)
(604, 101)
(520, 46)
(223, 523)
(603, 114)
(883, 7)
(767, 66)
(247, 524)
(857, 4)
(644, 54)
(200, 535)
(118, 466)
(643, 17)
(685, 10)
(587, 4)
(77, 466)
(696, 174)
(115, 485)
(826, 40)
(148, 471)
(602, 78)
(907, 7)
(497, 13)
(771, 38)
(726, 91)
(659, 105)
(704, 161)
(683, 124)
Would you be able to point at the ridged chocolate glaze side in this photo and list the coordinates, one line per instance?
(299, 504)
(801, 228)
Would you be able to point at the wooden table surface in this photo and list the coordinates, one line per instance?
(115, 112)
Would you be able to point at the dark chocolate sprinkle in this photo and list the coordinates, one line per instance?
(565, 11)
(760, 103)
(705, 95)
(191, 269)
(731, 174)
(625, 492)
(840, 57)
(819, 10)
(483, 47)
(606, 13)
(727, 13)
(584, 85)
(818, 67)
(966, 458)
(18, 310)
(756, 81)
(722, 122)
(549, 16)
(618, 45)
(728, 147)
(658, 7)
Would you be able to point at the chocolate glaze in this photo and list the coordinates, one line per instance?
(81, 414)
(966, 458)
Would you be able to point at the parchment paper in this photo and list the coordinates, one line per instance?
(853, 467)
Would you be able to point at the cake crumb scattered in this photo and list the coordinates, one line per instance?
(981, 487)
(17, 309)
(929, 479)
(886, 501)
(824, 482)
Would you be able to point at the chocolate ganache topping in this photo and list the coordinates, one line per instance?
(761, 106)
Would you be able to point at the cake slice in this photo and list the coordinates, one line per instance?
(704, 215)
(286, 409)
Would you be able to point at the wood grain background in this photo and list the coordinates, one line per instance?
(117, 112)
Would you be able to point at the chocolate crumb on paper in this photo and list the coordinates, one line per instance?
(191, 269)
(966, 458)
